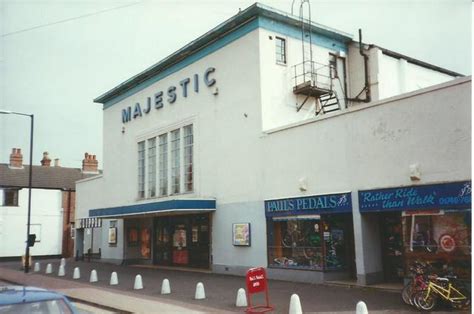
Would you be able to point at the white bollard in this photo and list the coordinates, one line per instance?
(295, 305)
(49, 269)
(165, 287)
(361, 308)
(93, 277)
(77, 273)
(63, 262)
(62, 271)
(200, 294)
(138, 285)
(113, 279)
(241, 298)
(37, 267)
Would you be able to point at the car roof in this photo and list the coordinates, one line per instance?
(25, 294)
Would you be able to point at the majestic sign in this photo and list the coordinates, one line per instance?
(436, 196)
(157, 101)
(317, 204)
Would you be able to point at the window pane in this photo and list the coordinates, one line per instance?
(152, 167)
(280, 48)
(188, 158)
(9, 197)
(163, 164)
(175, 163)
(141, 169)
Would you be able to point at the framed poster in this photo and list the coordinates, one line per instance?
(113, 235)
(241, 234)
(145, 247)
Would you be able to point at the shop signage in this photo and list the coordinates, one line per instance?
(170, 96)
(455, 195)
(317, 204)
(256, 280)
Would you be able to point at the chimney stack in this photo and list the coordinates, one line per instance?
(16, 158)
(56, 162)
(46, 161)
(90, 164)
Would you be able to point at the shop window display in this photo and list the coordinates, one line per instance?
(440, 238)
(316, 244)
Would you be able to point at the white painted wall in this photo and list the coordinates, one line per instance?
(277, 80)
(372, 146)
(46, 215)
(397, 76)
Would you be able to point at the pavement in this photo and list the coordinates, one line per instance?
(221, 291)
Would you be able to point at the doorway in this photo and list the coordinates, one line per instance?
(392, 246)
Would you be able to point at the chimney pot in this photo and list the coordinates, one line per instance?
(46, 161)
(56, 162)
(90, 164)
(16, 158)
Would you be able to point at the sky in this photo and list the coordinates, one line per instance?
(56, 56)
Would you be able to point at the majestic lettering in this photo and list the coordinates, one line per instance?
(171, 95)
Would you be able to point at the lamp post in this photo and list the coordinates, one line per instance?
(27, 253)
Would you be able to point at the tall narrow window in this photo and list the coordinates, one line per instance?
(141, 169)
(175, 166)
(152, 167)
(163, 164)
(188, 158)
(280, 47)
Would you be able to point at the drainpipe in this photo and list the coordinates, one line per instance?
(366, 89)
(68, 221)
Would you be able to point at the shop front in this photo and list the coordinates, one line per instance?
(427, 222)
(311, 233)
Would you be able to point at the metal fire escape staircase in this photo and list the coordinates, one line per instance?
(313, 79)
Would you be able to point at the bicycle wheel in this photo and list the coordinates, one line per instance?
(287, 240)
(425, 302)
(406, 293)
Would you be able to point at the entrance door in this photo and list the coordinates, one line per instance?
(392, 246)
(199, 244)
(162, 243)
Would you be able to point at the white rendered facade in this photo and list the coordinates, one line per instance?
(251, 144)
(46, 223)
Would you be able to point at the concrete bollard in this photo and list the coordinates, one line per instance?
(37, 267)
(77, 273)
(138, 285)
(241, 298)
(361, 308)
(93, 277)
(62, 271)
(63, 262)
(295, 305)
(49, 268)
(113, 279)
(165, 287)
(200, 294)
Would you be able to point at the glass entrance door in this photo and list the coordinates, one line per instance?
(162, 243)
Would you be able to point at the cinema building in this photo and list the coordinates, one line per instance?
(239, 150)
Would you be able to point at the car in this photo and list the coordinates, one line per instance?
(33, 300)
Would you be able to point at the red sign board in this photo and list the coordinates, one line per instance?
(256, 280)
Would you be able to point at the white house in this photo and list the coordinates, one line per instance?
(52, 206)
(239, 150)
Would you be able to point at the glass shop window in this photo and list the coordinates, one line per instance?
(444, 239)
(305, 244)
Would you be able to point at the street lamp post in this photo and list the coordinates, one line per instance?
(27, 253)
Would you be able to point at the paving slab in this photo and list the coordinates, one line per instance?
(221, 290)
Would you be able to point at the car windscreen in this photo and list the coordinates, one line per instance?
(38, 307)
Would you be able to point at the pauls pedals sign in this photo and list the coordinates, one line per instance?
(170, 96)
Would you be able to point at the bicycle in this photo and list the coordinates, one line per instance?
(417, 282)
(457, 296)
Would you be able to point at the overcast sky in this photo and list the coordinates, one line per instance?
(57, 56)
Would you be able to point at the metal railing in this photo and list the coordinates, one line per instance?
(319, 75)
